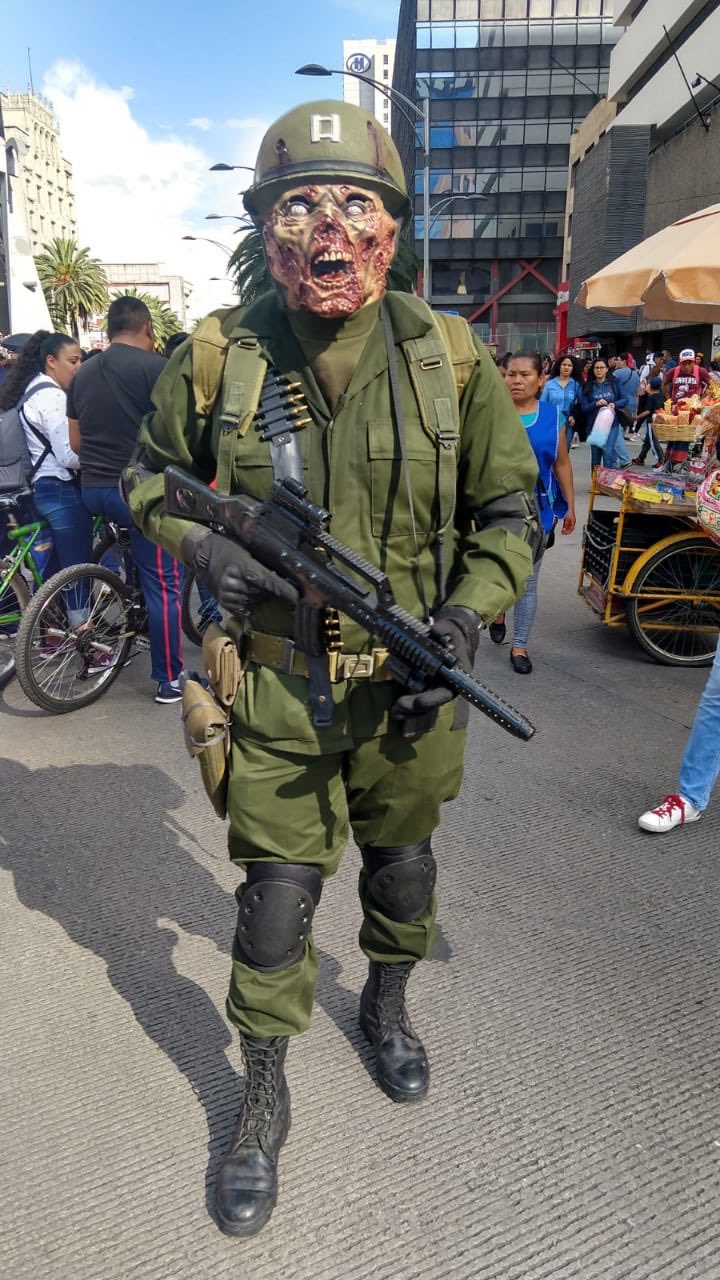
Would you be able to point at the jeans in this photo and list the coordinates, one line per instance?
(701, 762)
(59, 502)
(526, 608)
(161, 579)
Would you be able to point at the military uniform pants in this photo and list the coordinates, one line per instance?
(287, 808)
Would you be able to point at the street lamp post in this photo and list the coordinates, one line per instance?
(396, 97)
(225, 168)
(206, 239)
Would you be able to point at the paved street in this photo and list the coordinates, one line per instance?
(570, 1010)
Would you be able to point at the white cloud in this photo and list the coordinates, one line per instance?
(137, 194)
(200, 122)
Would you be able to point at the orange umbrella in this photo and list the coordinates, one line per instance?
(673, 275)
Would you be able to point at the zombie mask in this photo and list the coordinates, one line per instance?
(329, 248)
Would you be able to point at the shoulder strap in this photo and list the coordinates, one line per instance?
(47, 447)
(458, 339)
(210, 342)
(242, 383)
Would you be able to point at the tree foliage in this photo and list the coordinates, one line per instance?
(164, 320)
(74, 284)
(249, 272)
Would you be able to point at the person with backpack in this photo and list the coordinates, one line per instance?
(410, 440)
(106, 405)
(36, 390)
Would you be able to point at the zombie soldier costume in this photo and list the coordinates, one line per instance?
(435, 493)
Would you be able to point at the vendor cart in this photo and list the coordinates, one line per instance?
(647, 564)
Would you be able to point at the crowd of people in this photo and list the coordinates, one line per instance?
(81, 417)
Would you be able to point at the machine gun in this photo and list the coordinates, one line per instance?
(289, 535)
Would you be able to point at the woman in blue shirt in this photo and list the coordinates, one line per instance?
(601, 398)
(554, 492)
(563, 389)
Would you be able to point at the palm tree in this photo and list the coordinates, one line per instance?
(164, 320)
(248, 268)
(74, 284)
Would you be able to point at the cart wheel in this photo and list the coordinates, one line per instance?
(674, 612)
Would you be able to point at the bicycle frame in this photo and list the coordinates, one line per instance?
(25, 536)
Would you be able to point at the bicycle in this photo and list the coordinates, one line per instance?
(62, 667)
(21, 571)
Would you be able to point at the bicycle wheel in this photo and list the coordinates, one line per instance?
(13, 600)
(106, 552)
(199, 609)
(62, 667)
(674, 613)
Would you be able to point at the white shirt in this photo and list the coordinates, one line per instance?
(47, 411)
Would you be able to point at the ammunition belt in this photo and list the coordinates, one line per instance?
(281, 653)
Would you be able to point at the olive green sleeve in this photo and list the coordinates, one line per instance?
(174, 434)
(496, 465)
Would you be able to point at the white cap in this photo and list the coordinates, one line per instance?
(687, 353)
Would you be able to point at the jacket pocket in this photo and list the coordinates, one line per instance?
(390, 505)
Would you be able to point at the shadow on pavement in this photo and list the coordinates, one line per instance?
(91, 847)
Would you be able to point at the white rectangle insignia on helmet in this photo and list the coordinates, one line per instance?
(325, 129)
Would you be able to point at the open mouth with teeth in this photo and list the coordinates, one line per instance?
(331, 265)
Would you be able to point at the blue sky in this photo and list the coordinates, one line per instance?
(148, 96)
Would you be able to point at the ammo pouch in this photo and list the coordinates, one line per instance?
(206, 713)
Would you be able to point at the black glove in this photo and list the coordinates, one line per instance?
(460, 627)
(236, 579)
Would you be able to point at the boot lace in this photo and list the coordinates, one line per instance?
(392, 981)
(262, 1068)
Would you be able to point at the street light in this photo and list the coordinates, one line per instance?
(225, 168)
(441, 205)
(396, 97)
(218, 243)
(244, 223)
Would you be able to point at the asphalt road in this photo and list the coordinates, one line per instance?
(570, 1009)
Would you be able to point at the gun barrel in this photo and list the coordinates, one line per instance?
(489, 703)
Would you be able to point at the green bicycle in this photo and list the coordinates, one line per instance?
(22, 568)
(21, 574)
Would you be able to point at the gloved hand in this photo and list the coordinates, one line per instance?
(237, 581)
(461, 628)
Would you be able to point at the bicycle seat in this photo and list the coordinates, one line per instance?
(10, 500)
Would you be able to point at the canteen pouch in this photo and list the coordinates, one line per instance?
(221, 664)
(206, 726)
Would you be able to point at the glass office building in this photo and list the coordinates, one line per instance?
(508, 81)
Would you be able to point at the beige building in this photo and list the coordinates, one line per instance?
(46, 175)
(150, 277)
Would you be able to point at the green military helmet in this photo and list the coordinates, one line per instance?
(328, 142)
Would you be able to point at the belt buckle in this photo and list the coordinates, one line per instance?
(356, 666)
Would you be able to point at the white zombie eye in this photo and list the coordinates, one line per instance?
(297, 208)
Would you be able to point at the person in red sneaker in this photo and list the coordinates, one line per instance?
(700, 765)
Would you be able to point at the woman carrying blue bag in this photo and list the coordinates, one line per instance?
(601, 398)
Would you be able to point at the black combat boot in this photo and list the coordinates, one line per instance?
(403, 1071)
(246, 1186)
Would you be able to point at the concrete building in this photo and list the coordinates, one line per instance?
(47, 176)
(649, 157)
(508, 82)
(150, 277)
(23, 308)
(376, 59)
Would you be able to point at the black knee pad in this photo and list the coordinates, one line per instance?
(276, 907)
(401, 879)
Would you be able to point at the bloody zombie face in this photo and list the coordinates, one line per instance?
(329, 247)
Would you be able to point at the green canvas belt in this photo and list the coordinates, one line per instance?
(281, 653)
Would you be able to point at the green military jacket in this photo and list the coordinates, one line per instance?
(353, 468)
